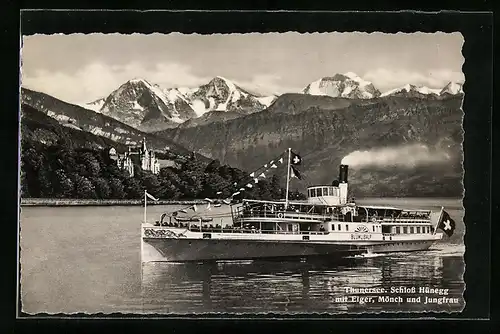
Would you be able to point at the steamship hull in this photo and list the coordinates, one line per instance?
(180, 247)
(185, 250)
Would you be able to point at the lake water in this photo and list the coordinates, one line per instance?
(87, 259)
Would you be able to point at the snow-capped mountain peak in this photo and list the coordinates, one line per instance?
(452, 88)
(348, 85)
(147, 106)
(414, 90)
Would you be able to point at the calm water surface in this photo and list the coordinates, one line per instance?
(87, 259)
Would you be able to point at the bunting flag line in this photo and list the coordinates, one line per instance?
(270, 165)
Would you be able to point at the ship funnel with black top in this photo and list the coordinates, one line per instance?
(343, 171)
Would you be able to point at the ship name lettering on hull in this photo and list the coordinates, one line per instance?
(361, 236)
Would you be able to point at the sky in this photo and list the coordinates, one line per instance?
(81, 68)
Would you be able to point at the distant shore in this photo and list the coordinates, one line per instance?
(99, 202)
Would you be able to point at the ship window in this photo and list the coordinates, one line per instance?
(330, 191)
(313, 192)
(339, 227)
(346, 227)
(319, 192)
(405, 229)
(398, 229)
(333, 227)
(411, 229)
(373, 228)
(428, 229)
(418, 229)
(325, 191)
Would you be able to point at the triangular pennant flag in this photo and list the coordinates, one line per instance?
(219, 192)
(265, 165)
(271, 162)
(249, 185)
(252, 174)
(151, 196)
(281, 160)
(274, 166)
(226, 202)
(208, 200)
(256, 180)
(262, 175)
(236, 193)
(217, 205)
(242, 189)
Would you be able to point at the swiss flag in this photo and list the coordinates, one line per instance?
(295, 159)
(447, 224)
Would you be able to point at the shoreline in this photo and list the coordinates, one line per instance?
(100, 202)
(47, 202)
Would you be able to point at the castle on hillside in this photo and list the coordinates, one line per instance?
(141, 156)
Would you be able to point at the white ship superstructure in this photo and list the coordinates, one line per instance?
(326, 224)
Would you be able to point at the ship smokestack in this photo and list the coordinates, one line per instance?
(343, 171)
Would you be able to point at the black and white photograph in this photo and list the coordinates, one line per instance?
(284, 173)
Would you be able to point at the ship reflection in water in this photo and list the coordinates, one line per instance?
(315, 285)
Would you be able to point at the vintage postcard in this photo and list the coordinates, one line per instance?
(283, 173)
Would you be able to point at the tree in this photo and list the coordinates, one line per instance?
(92, 167)
(83, 187)
(212, 167)
(102, 188)
(150, 183)
(62, 185)
(133, 188)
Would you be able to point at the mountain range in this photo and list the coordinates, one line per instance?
(148, 107)
(324, 130)
(326, 121)
(78, 118)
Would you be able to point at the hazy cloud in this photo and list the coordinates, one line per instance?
(385, 79)
(97, 80)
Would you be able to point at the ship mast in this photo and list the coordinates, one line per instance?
(287, 177)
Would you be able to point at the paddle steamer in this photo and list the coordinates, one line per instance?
(326, 224)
